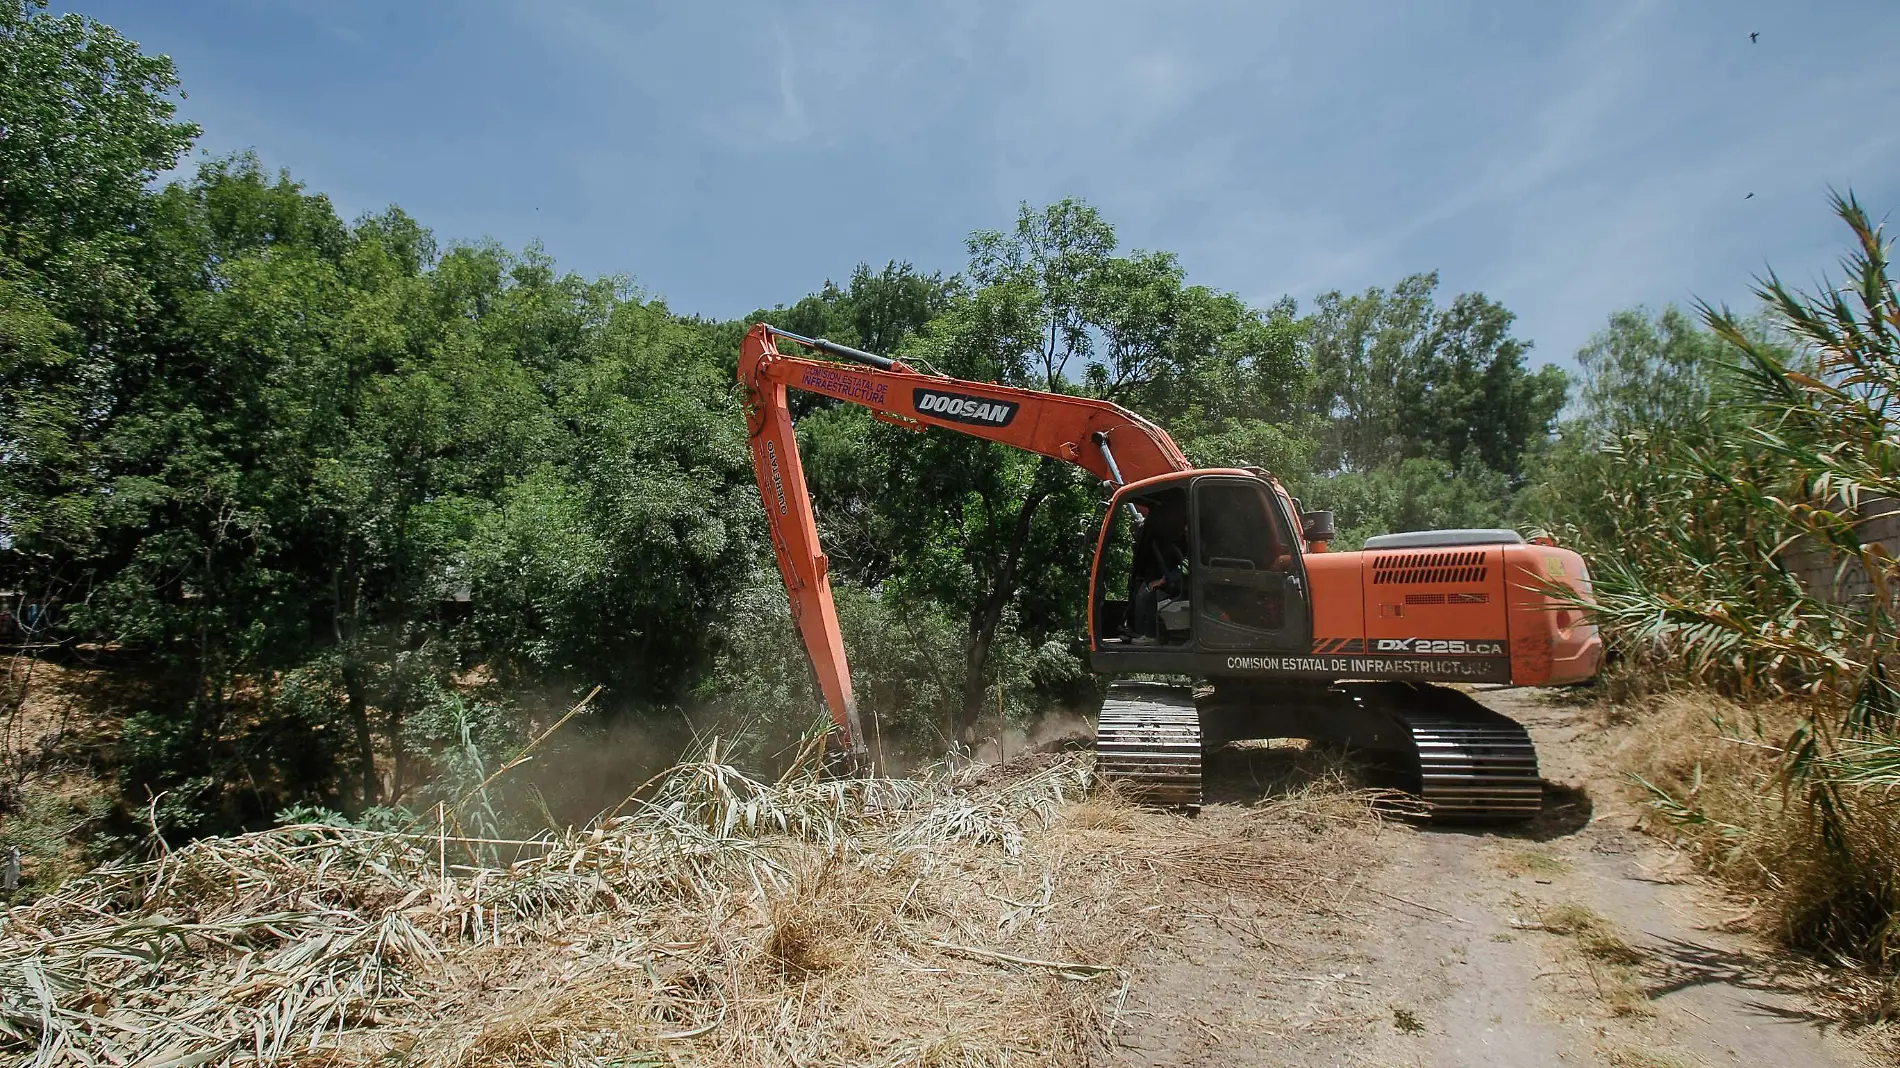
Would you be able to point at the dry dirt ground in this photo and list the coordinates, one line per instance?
(1576, 941)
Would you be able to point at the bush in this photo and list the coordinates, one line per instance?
(907, 670)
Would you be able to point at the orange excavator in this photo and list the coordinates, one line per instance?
(1218, 575)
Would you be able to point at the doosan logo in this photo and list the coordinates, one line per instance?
(962, 408)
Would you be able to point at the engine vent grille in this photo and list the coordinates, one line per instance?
(1413, 568)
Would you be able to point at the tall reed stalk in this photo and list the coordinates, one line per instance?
(1694, 574)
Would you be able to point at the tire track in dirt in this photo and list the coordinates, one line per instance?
(1576, 941)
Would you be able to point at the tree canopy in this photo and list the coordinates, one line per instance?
(348, 500)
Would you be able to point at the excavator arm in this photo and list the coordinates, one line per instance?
(1108, 441)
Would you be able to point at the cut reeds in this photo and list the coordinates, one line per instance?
(722, 920)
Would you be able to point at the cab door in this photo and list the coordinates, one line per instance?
(1249, 586)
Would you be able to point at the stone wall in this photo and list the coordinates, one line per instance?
(1817, 571)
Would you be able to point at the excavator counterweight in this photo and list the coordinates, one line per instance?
(1218, 575)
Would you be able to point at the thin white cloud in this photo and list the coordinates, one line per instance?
(1567, 159)
(792, 124)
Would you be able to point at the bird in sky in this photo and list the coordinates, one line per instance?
(1750, 196)
(1752, 36)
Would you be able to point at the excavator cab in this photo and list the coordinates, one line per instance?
(1195, 567)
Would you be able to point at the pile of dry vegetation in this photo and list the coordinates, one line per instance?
(981, 919)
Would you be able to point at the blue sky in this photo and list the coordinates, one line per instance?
(1567, 159)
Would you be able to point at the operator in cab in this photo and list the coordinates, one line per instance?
(1160, 581)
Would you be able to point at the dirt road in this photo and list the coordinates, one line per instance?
(1577, 941)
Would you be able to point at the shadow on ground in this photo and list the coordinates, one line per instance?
(1567, 810)
(1678, 964)
(1681, 964)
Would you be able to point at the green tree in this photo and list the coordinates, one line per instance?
(85, 122)
(1398, 378)
(1002, 537)
(874, 311)
(1483, 406)
(246, 499)
(1647, 371)
(1421, 493)
(1651, 384)
(1369, 356)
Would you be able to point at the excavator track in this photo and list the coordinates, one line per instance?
(1476, 771)
(1467, 763)
(1148, 742)
(1471, 764)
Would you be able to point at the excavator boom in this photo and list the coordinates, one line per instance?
(1105, 439)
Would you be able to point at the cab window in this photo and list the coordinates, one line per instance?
(1242, 559)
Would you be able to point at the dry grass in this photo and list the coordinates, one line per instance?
(1711, 771)
(1595, 936)
(1719, 762)
(56, 788)
(1611, 964)
(1537, 865)
(724, 922)
(1635, 1057)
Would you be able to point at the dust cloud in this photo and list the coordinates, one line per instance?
(594, 763)
(1054, 730)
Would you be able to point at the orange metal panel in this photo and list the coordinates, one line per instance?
(1551, 642)
(1451, 593)
(1338, 606)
